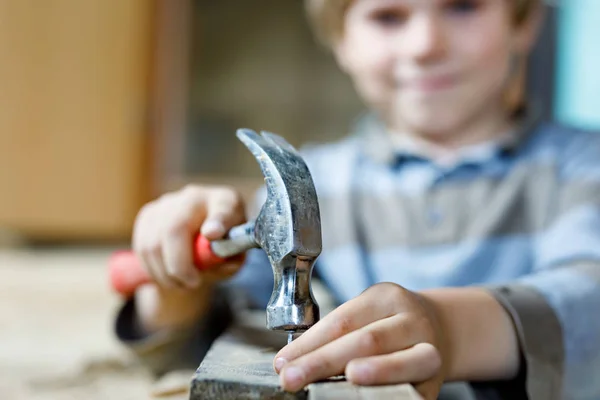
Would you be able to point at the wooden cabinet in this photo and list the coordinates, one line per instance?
(74, 99)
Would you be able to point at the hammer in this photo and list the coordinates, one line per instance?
(288, 229)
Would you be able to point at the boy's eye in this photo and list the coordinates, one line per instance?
(388, 18)
(462, 6)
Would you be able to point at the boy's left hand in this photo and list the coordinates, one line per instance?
(387, 335)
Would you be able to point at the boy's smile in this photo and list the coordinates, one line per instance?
(438, 69)
(430, 85)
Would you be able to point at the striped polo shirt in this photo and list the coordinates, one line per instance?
(520, 217)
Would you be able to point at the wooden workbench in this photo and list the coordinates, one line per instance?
(239, 366)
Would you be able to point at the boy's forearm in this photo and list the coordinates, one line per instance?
(158, 309)
(481, 337)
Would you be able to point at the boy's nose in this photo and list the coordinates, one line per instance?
(425, 39)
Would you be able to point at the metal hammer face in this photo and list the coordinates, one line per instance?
(288, 228)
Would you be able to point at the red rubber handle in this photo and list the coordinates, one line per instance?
(126, 272)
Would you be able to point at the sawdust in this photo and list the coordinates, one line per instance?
(56, 337)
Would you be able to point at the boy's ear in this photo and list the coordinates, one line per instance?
(529, 31)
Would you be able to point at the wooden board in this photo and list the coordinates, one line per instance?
(239, 366)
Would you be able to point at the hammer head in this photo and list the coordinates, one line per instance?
(288, 228)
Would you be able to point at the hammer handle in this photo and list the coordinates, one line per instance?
(126, 273)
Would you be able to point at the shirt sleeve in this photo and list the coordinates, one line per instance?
(556, 308)
(173, 349)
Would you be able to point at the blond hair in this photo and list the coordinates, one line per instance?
(327, 16)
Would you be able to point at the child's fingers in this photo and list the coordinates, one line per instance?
(177, 256)
(212, 210)
(154, 264)
(419, 363)
(147, 246)
(381, 337)
(224, 210)
(164, 230)
(370, 306)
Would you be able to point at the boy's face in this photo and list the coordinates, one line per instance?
(431, 66)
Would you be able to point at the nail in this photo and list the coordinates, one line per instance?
(279, 363)
(213, 226)
(293, 377)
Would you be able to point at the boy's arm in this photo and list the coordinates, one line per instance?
(554, 321)
(480, 337)
(555, 314)
(184, 346)
(553, 325)
(556, 309)
(548, 320)
(175, 347)
(480, 334)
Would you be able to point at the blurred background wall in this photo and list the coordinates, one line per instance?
(73, 109)
(578, 63)
(105, 104)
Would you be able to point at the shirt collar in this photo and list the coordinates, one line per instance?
(376, 143)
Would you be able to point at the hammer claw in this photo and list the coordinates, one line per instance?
(279, 142)
(288, 229)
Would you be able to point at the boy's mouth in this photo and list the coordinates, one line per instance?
(430, 84)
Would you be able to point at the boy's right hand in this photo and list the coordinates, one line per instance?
(162, 240)
(164, 229)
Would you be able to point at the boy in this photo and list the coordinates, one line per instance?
(461, 234)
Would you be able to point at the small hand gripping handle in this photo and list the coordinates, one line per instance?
(126, 273)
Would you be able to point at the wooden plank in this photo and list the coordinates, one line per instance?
(239, 366)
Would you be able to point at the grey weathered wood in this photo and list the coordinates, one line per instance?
(239, 366)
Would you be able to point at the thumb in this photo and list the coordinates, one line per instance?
(225, 209)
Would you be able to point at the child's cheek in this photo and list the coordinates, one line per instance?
(486, 55)
(372, 53)
(371, 63)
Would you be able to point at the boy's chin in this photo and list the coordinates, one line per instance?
(429, 124)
